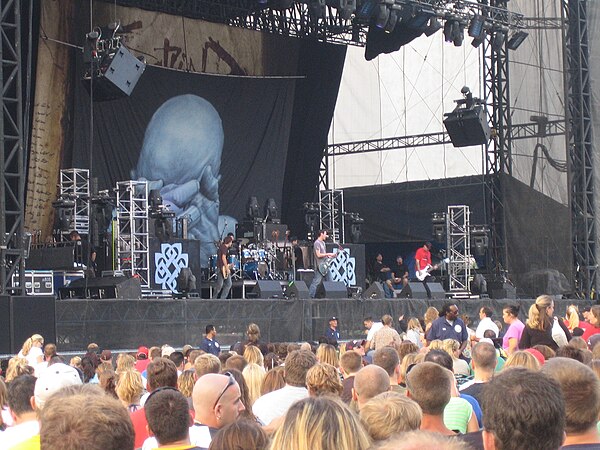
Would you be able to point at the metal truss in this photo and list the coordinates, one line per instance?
(458, 236)
(12, 163)
(519, 131)
(75, 184)
(581, 149)
(133, 246)
(314, 19)
(331, 213)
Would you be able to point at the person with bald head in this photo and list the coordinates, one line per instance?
(369, 381)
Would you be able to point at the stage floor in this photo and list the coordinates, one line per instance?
(117, 324)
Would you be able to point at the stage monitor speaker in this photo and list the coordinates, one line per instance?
(467, 127)
(31, 315)
(5, 347)
(418, 290)
(500, 290)
(268, 289)
(297, 289)
(103, 288)
(120, 77)
(334, 289)
(375, 290)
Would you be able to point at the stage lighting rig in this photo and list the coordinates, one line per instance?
(517, 39)
(272, 211)
(252, 209)
(479, 239)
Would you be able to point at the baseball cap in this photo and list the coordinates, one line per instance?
(167, 350)
(538, 355)
(52, 379)
(332, 318)
(142, 351)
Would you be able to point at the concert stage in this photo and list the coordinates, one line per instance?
(117, 324)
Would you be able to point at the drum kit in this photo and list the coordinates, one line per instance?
(262, 261)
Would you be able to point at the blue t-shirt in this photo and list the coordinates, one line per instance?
(332, 334)
(210, 346)
(442, 329)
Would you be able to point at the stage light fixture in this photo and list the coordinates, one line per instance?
(498, 40)
(476, 27)
(383, 14)
(366, 11)
(479, 240)
(448, 31)
(347, 9)
(517, 39)
(272, 211)
(252, 209)
(438, 222)
(458, 34)
(433, 26)
(391, 23)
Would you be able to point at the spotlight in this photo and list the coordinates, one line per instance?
(498, 40)
(517, 39)
(476, 27)
(448, 31)
(252, 209)
(272, 211)
(391, 23)
(382, 16)
(433, 26)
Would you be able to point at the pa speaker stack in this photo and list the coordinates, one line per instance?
(467, 127)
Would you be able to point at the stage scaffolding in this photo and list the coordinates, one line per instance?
(132, 230)
(458, 235)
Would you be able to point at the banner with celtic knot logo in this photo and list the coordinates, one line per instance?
(169, 263)
(343, 268)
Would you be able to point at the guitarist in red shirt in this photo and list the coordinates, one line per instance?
(423, 265)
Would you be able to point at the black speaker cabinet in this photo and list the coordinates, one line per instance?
(297, 289)
(5, 347)
(375, 290)
(418, 290)
(268, 289)
(467, 127)
(500, 290)
(334, 289)
(103, 288)
(31, 315)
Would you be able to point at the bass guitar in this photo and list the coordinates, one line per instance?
(327, 262)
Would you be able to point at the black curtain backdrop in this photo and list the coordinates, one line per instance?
(314, 103)
(256, 115)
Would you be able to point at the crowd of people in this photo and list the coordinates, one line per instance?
(430, 383)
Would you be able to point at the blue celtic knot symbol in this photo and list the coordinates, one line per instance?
(169, 263)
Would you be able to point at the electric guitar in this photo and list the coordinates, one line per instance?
(327, 262)
(424, 273)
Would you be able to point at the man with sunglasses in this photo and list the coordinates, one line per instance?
(449, 326)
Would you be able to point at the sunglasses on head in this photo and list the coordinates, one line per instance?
(230, 383)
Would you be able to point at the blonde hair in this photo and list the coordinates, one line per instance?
(254, 375)
(522, 358)
(389, 413)
(326, 353)
(253, 332)
(431, 314)
(185, 382)
(129, 387)
(572, 316)
(75, 362)
(538, 316)
(125, 362)
(253, 355)
(411, 358)
(29, 343)
(436, 344)
(322, 379)
(320, 423)
(414, 324)
(450, 346)
(17, 367)
(273, 380)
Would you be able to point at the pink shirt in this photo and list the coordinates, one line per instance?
(515, 330)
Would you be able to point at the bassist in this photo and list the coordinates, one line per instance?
(223, 284)
(320, 256)
(423, 263)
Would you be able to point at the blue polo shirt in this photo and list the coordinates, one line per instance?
(442, 329)
(332, 334)
(210, 346)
